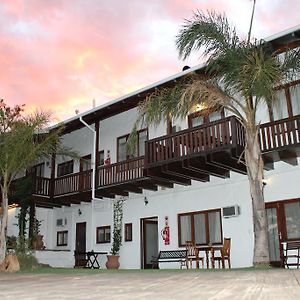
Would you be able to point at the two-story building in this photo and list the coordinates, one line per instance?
(189, 176)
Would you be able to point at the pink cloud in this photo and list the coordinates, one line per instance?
(61, 54)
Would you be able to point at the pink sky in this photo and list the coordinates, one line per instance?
(61, 54)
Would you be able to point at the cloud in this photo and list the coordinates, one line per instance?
(62, 54)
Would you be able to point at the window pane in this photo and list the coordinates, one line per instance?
(101, 158)
(292, 216)
(295, 99)
(142, 140)
(280, 106)
(214, 222)
(185, 229)
(197, 121)
(214, 116)
(122, 149)
(200, 229)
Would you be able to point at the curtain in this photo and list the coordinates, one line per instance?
(185, 229)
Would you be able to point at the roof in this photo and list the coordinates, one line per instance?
(279, 41)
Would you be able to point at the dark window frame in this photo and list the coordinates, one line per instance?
(205, 113)
(65, 168)
(288, 100)
(83, 160)
(38, 168)
(104, 228)
(137, 154)
(101, 152)
(191, 214)
(128, 232)
(64, 239)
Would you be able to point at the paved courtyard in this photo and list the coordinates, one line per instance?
(257, 284)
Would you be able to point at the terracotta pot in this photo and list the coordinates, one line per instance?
(112, 262)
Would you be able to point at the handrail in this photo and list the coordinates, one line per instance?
(192, 141)
(120, 172)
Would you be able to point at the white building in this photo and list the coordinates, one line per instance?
(168, 182)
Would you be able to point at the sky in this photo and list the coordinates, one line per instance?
(59, 55)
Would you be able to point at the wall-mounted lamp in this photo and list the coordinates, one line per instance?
(79, 212)
(146, 201)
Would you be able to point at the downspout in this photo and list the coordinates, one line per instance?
(93, 165)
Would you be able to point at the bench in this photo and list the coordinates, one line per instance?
(170, 256)
(291, 254)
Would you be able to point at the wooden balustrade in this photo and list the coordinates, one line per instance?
(41, 186)
(280, 134)
(120, 172)
(190, 142)
(73, 183)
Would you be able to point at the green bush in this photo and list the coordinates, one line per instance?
(27, 261)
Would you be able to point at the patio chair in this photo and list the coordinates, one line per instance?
(224, 254)
(192, 255)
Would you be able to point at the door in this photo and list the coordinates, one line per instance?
(80, 246)
(149, 241)
(274, 234)
(283, 225)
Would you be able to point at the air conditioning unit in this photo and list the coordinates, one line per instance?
(61, 222)
(231, 211)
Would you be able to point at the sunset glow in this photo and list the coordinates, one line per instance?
(60, 54)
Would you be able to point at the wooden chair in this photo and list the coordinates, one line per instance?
(224, 254)
(192, 255)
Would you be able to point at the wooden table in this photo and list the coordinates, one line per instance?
(208, 249)
(89, 259)
(92, 261)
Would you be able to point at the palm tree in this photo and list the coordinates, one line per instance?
(239, 76)
(23, 140)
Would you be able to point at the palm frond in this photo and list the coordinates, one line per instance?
(209, 30)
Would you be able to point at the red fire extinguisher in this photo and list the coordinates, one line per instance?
(165, 233)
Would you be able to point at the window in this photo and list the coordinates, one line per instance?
(38, 170)
(103, 234)
(101, 157)
(85, 163)
(292, 213)
(62, 238)
(128, 232)
(65, 168)
(203, 227)
(202, 117)
(286, 103)
(142, 137)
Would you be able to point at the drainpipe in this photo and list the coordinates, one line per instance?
(93, 165)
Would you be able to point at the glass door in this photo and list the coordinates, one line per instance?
(273, 235)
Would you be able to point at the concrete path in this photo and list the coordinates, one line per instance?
(270, 284)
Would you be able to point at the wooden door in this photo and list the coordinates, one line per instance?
(80, 246)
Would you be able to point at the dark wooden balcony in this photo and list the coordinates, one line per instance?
(280, 140)
(196, 153)
(123, 177)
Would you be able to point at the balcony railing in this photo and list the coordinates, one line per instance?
(280, 134)
(41, 186)
(121, 172)
(73, 183)
(191, 142)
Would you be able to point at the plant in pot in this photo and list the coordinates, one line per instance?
(113, 259)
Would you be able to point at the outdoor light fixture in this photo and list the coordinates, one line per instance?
(146, 201)
(79, 212)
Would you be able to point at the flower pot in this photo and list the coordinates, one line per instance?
(112, 262)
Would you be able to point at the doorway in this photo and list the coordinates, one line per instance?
(80, 244)
(283, 225)
(149, 241)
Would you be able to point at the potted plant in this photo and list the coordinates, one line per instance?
(113, 258)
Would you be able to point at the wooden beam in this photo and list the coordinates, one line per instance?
(147, 185)
(201, 164)
(178, 170)
(158, 173)
(132, 188)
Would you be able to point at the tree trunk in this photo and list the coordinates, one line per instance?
(3, 222)
(255, 173)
